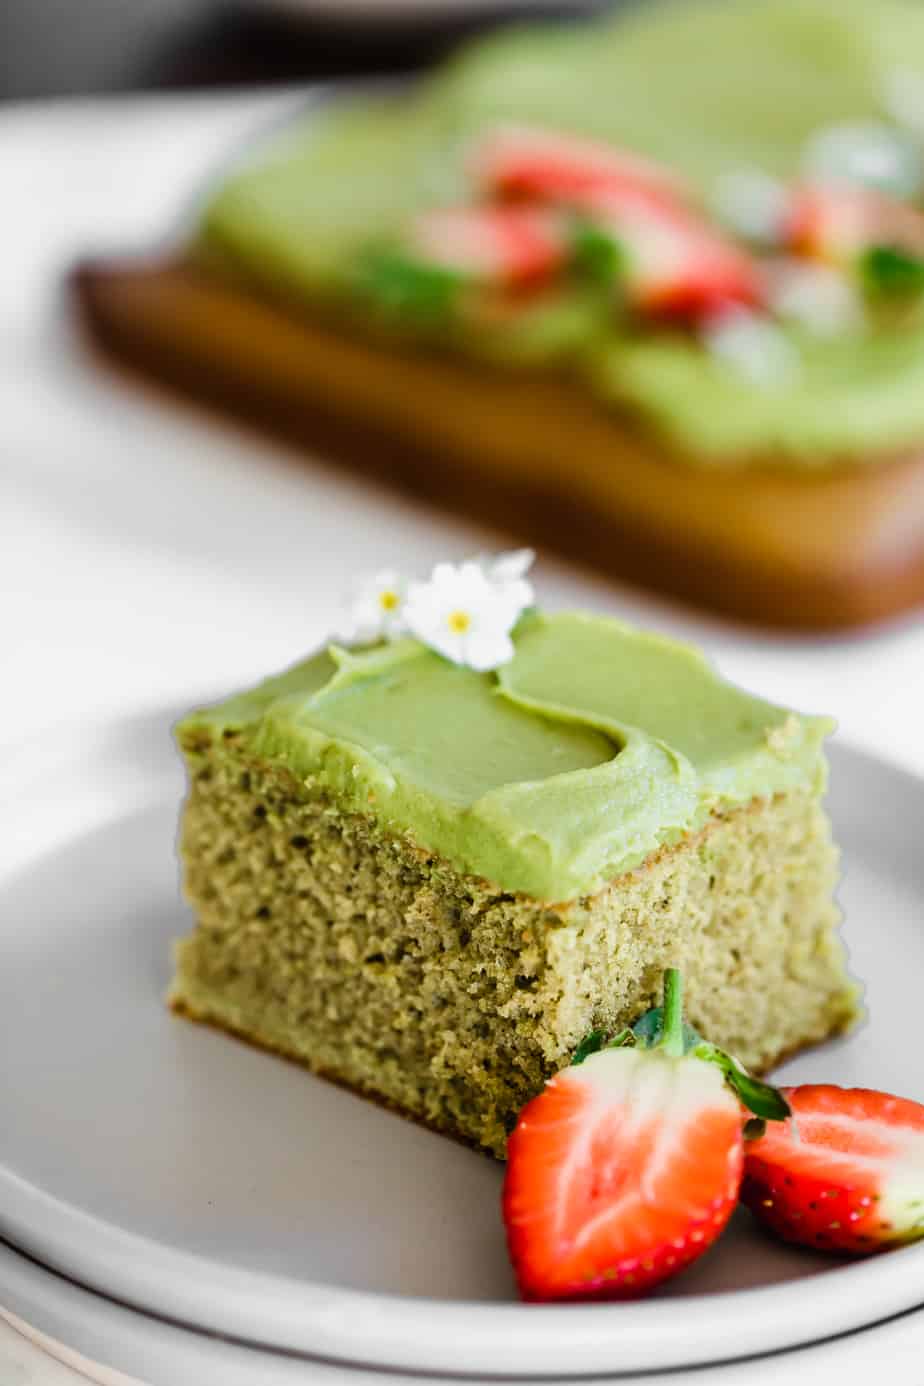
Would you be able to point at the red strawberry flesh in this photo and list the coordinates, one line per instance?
(547, 166)
(502, 246)
(623, 1171)
(708, 275)
(676, 265)
(848, 1176)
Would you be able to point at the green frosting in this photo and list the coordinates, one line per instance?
(596, 745)
(706, 87)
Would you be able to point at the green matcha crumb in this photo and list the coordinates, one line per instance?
(325, 938)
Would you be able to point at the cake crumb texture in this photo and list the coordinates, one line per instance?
(325, 938)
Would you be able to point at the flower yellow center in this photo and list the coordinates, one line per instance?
(389, 600)
(458, 622)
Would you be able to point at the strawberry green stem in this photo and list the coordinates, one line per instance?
(672, 1041)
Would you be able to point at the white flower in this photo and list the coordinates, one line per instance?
(752, 204)
(466, 611)
(818, 297)
(510, 566)
(376, 610)
(507, 574)
(752, 346)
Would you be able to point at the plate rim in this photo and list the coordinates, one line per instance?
(314, 1318)
(122, 1339)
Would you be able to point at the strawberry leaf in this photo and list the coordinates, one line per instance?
(664, 1028)
(596, 254)
(888, 271)
(650, 1027)
(590, 1044)
(403, 285)
(649, 1031)
(597, 1040)
(764, 1100)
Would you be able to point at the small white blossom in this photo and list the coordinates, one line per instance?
(752, 204)
(510, 566)
(376, 610)
(466, 611)
(870, 154)
(507, 574)
(817, 297)
(754, 347)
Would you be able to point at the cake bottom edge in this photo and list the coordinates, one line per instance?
(841, 1025)
(742, 540)
(183, 1008)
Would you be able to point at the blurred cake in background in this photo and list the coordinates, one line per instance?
(648, 290)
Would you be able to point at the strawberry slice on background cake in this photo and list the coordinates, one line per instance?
(671, 262)
(680, 268)
(447, 254)
(522, 162)
(506, 247)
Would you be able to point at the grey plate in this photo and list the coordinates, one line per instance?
(192, 1177)
(115, 1346)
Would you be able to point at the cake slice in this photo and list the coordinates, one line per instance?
(429, 883)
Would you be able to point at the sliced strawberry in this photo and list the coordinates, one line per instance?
(619, 1174)
(524, 162)
(690, 273)
(507, 247)
(676, 265)
(627, 1166)
(838, 222)
(846, 1174)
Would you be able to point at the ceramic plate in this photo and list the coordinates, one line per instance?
(185, 1174)
(115, 1346)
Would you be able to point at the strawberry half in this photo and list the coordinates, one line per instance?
(545, 166)
(627, 1166)
(505, 247)
(846, 1174)
(673, 263)
(684, 269)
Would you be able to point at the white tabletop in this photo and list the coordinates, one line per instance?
(149, 553)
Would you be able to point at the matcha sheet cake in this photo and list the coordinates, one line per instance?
(429, 881)
(647, 290)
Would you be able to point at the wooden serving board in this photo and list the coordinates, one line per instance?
(527, 451)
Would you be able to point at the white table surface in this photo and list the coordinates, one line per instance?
(149, 553)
